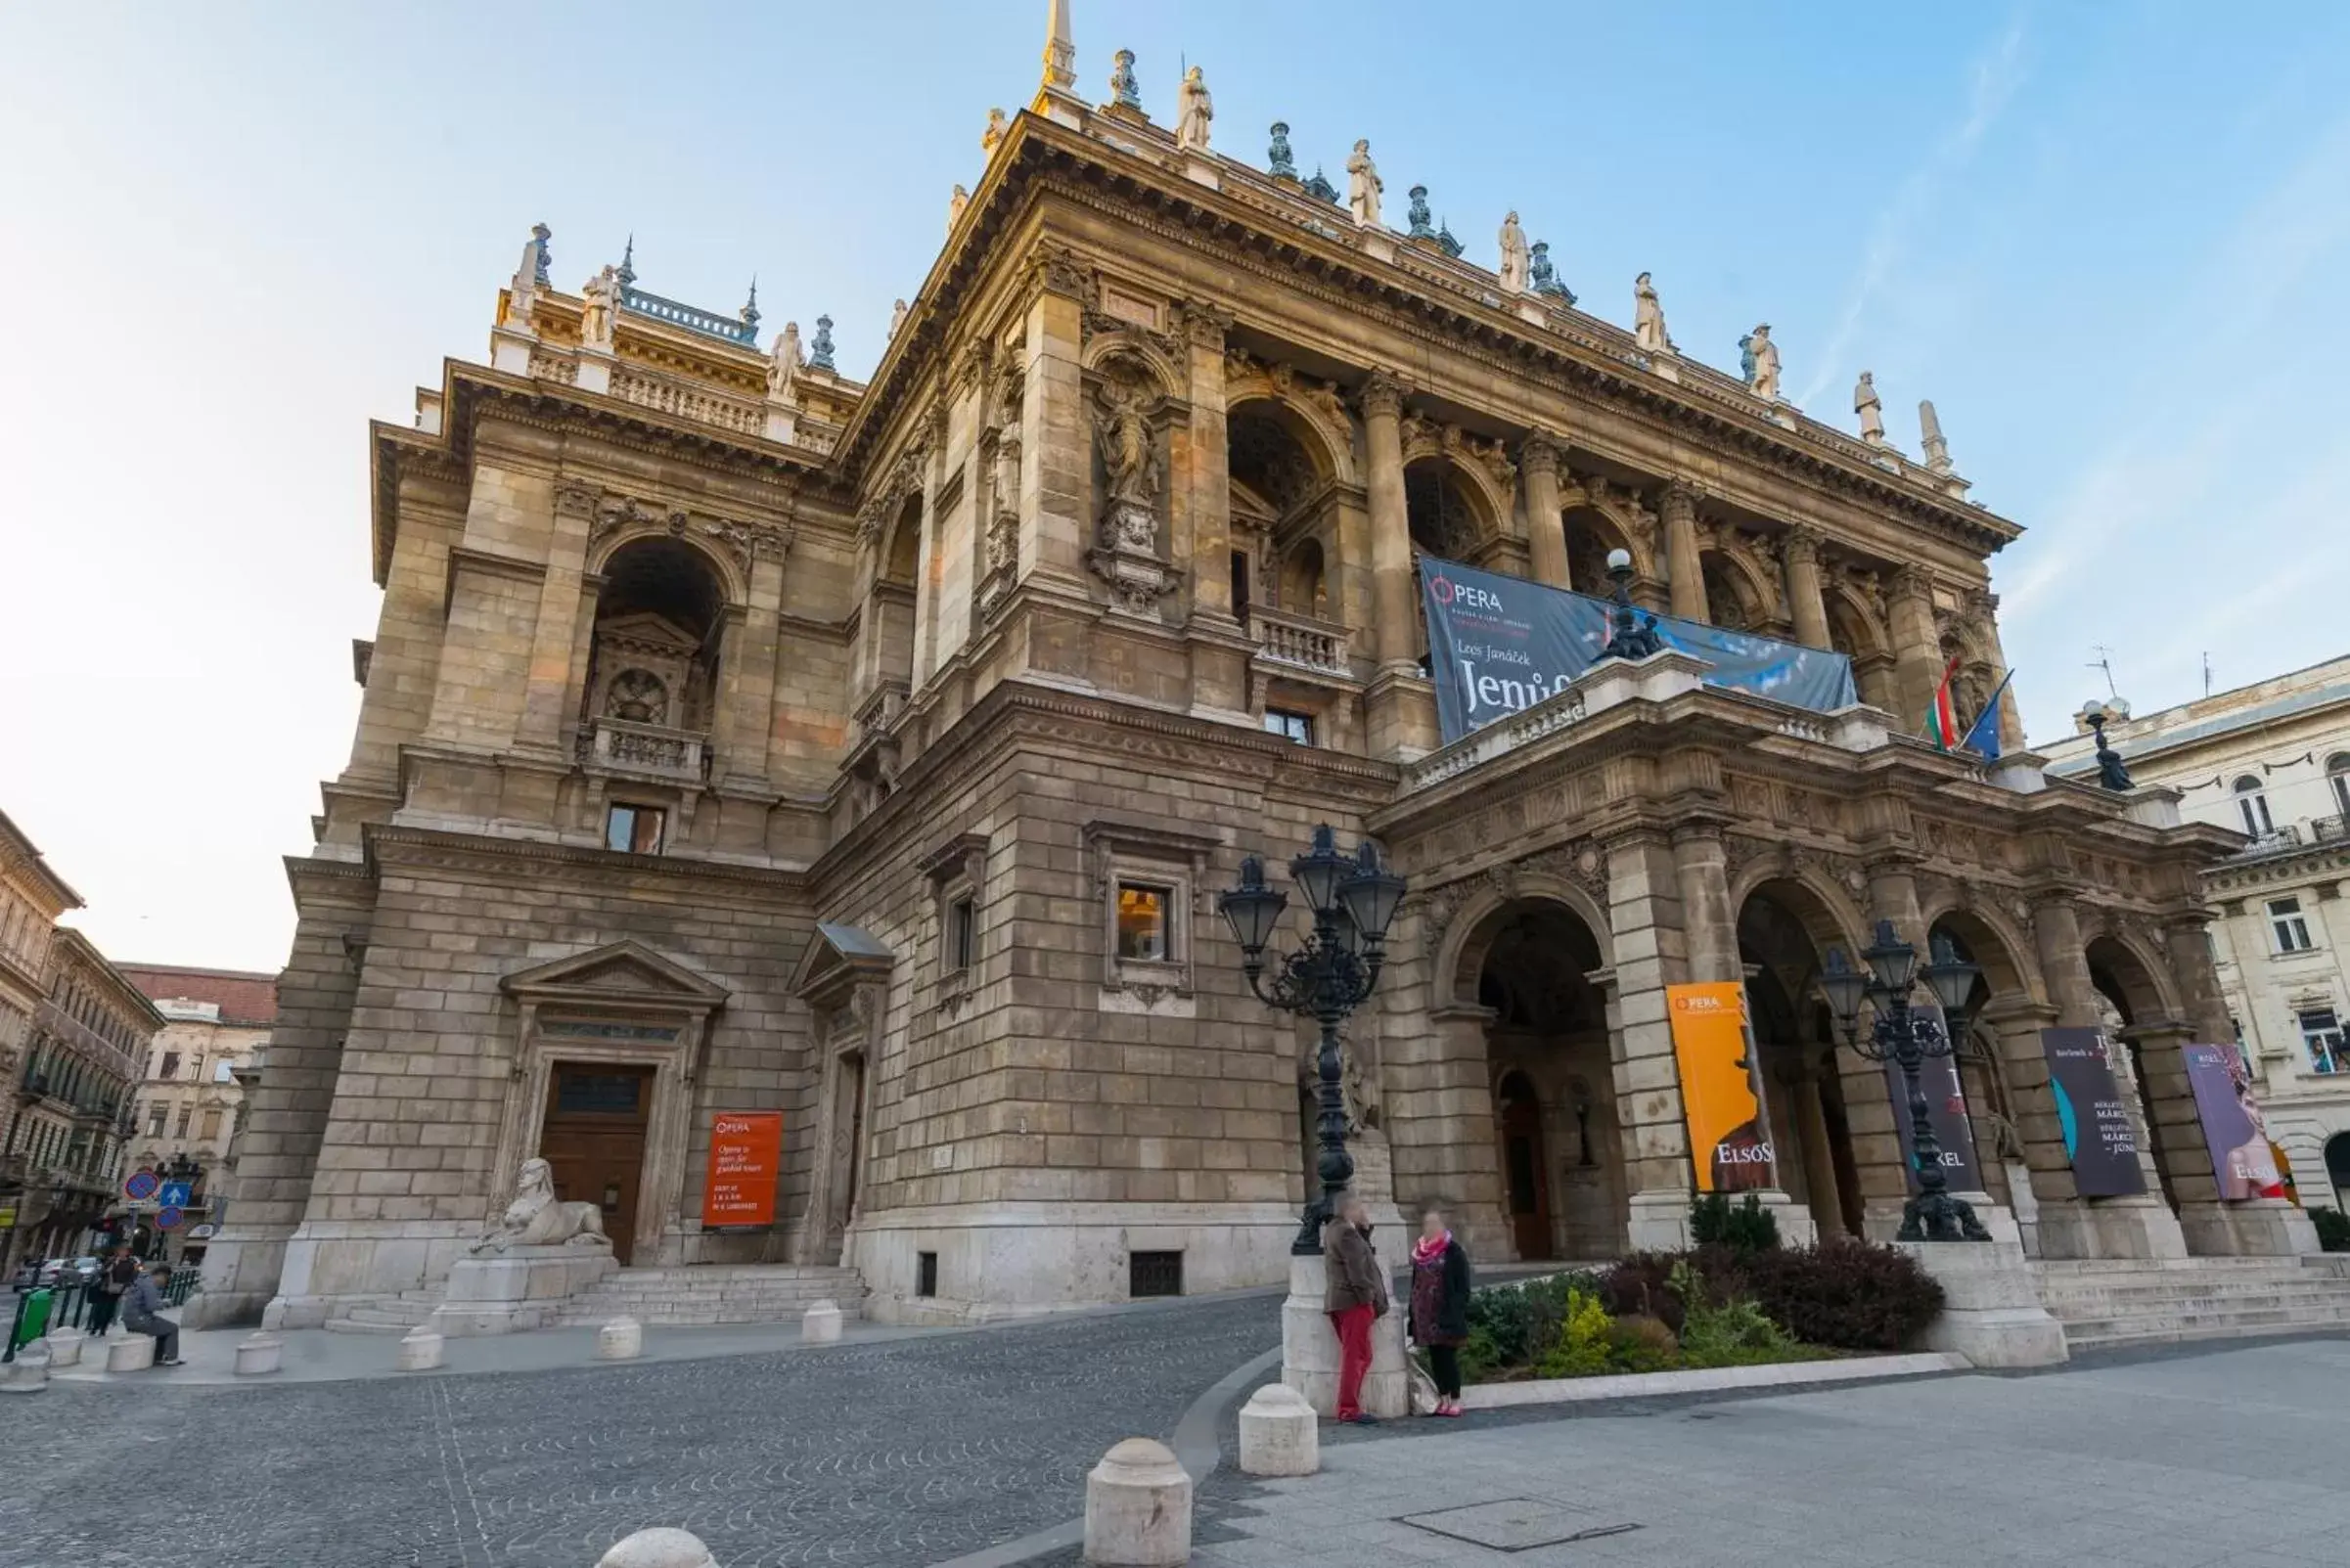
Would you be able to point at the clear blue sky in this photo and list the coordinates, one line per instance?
(2110, 241)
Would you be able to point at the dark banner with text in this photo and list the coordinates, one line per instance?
(1946, 1109)
(2099, 1138)
(1498, 644)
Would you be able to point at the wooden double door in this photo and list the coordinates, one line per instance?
(593, 1141)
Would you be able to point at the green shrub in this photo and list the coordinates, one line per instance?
(1479, 1359)
(1643, 1282)
(1642, 1344)
(2334, 1229)
(1746, 1227)
(1843, 1294)
(1580, 1343)
(1737, 1333)
(1516, 1324)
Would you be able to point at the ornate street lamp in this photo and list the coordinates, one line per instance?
(2112, 772)
(1352, 900)
(1627, 636)
(1910, 1037)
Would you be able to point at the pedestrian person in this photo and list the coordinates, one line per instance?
(1355, 1296)
(142, 1314)
(1439, 1313)
(107, 1291)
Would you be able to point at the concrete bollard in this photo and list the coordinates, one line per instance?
(65, 1347)
(1279, 1434)
(1138, 1508)
(621, 1339)
(132, 1353)
(258, 1355)
(820, 1325)
(28, 1373)
(658, 1548)
(419, 1351)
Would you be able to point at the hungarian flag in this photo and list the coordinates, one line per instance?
(1942, 719)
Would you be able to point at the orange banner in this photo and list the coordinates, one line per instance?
(746, 1149)
(1729, 1145)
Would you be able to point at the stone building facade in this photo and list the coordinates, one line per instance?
(2272, 761)
(32, 898)
(191, 1097)
(739, 737)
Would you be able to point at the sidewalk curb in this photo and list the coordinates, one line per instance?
(1711, 1380)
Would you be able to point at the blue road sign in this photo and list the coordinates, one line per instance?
(140, 1186)
(168, 1217)
(175, 1195)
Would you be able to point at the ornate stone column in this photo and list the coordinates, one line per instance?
(1708, 924)
(1546, 532)
(1644, 918)
(1916, 648)
(1805, 601)
(746, 687)
(1207, 458)
(559, 606)
(1056, 438)
(1383, 403)
(1677, 507)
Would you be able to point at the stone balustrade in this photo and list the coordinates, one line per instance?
(687, 401)
(1300, 642)
(648, 749)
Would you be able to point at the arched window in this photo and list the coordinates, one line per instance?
(2338, 774)
(2253, 806)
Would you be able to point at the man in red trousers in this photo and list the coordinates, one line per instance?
(1355, 1296)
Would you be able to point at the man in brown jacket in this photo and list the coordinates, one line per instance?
(1354, 1295)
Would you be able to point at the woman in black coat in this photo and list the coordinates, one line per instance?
(1440, 1287)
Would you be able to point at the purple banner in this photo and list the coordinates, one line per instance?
(2233, 1130)
(2099, 1138)
(1946, 1108)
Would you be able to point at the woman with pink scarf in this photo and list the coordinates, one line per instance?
(1439, 1320)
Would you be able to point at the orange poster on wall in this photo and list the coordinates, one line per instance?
(1729, 1145)
(746, 1149)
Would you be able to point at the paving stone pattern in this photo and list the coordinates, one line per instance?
(903, 1453)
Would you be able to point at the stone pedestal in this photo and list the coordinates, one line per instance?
(510, 351)
(419, 1351)
(2259, 1227)
(621, 1339)
(1796, 1226)
(2137, 1226)
(820, 1325)
(132, 1353)
(1138, 1508)
(1279, 1434)
(1991, 1314)
(519, 1289)
(783, 421)
(1658, 1222)
(28, 1373)
(65, 1347)
(1309, 1347)
(259, 1354)
(658, 1548)
(596, 369)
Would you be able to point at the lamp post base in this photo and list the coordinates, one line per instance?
(1309, 1349)
(1939, 1217)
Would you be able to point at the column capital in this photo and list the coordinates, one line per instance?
(1677, 502)
(1801, 543)
(1539, 454)
(1203, 323)
(1382, 395)
(1913, 581)
(574, 499)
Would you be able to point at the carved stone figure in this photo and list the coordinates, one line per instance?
(1759, 356)
(1871, 409)
(784, 364)
(1194, 108)
(540, 256)
(997, 129)
(1127, 454)
(1280, 163)
(1929, 434)
(534, 1219)
(599, 300)
(955, 203)
(1363, 185)
(638, 696)
(1123, 93)
(1517, 260)
(1418, 221)
(897, 317)
(1648, 317)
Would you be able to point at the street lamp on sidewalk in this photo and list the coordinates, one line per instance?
(1908, 1038)
(1353, 900)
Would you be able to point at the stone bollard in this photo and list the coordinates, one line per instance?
(621, 1339)
(28, 1373)
(419, 1351)
(258, 1355)
(658, 1548)
(1279, 1434)
(820, 1325)
(132, 1353)
(65, 1345)
(1138, 1508)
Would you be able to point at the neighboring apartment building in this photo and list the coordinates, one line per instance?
(2271, 760)
(32, 898)
(192, 1101)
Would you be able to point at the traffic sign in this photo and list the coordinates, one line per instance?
(175, 1195)
(169, 1218)
(140, 1186)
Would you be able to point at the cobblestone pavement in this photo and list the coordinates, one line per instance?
(2179, 1458)
(901, 1453)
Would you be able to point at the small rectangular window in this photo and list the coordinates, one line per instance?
(926, 1273)
(2289, 924)
(170, 1065)
(1143, 923)
(961, 934)
(155, 1116)
(2322, 1032)
(1153, 1273)
(187, 1114)
(212, 1125)
(1298, 727)
(632, 830)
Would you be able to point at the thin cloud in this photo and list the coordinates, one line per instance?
(1992, 83)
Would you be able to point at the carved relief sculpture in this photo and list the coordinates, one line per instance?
(638, 696)
(1362, 186)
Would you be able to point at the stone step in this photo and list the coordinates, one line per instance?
(2171, 1336)
(2291, 1291)
(2171, 1325)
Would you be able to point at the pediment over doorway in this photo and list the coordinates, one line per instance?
(837, 958)
(624, 972)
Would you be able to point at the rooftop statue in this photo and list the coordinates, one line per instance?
(784, 364)
(1517, 260)
(600, 308)
(995, 132)
(1419, 223)
(1278, 158)
(1648, 317)
(1363, 185)
(1758, 358)
(955, 203)
(1192, 111)
(1123, 93)
(897, 317)
(819, 353)
(1545, 280)
(1870, 408)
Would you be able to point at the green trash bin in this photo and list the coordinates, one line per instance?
(34, 1322)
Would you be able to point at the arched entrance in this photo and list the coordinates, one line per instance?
(1781, 928)
(2130, 996)
(1554, 1093)
(2337, 1169)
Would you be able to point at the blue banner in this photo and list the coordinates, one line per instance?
(1498, 644)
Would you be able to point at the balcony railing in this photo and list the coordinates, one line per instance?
(1300, 642)
(733, 328)
(649, 751)
(2330, 830)
(688, 401)
(2275, 841)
